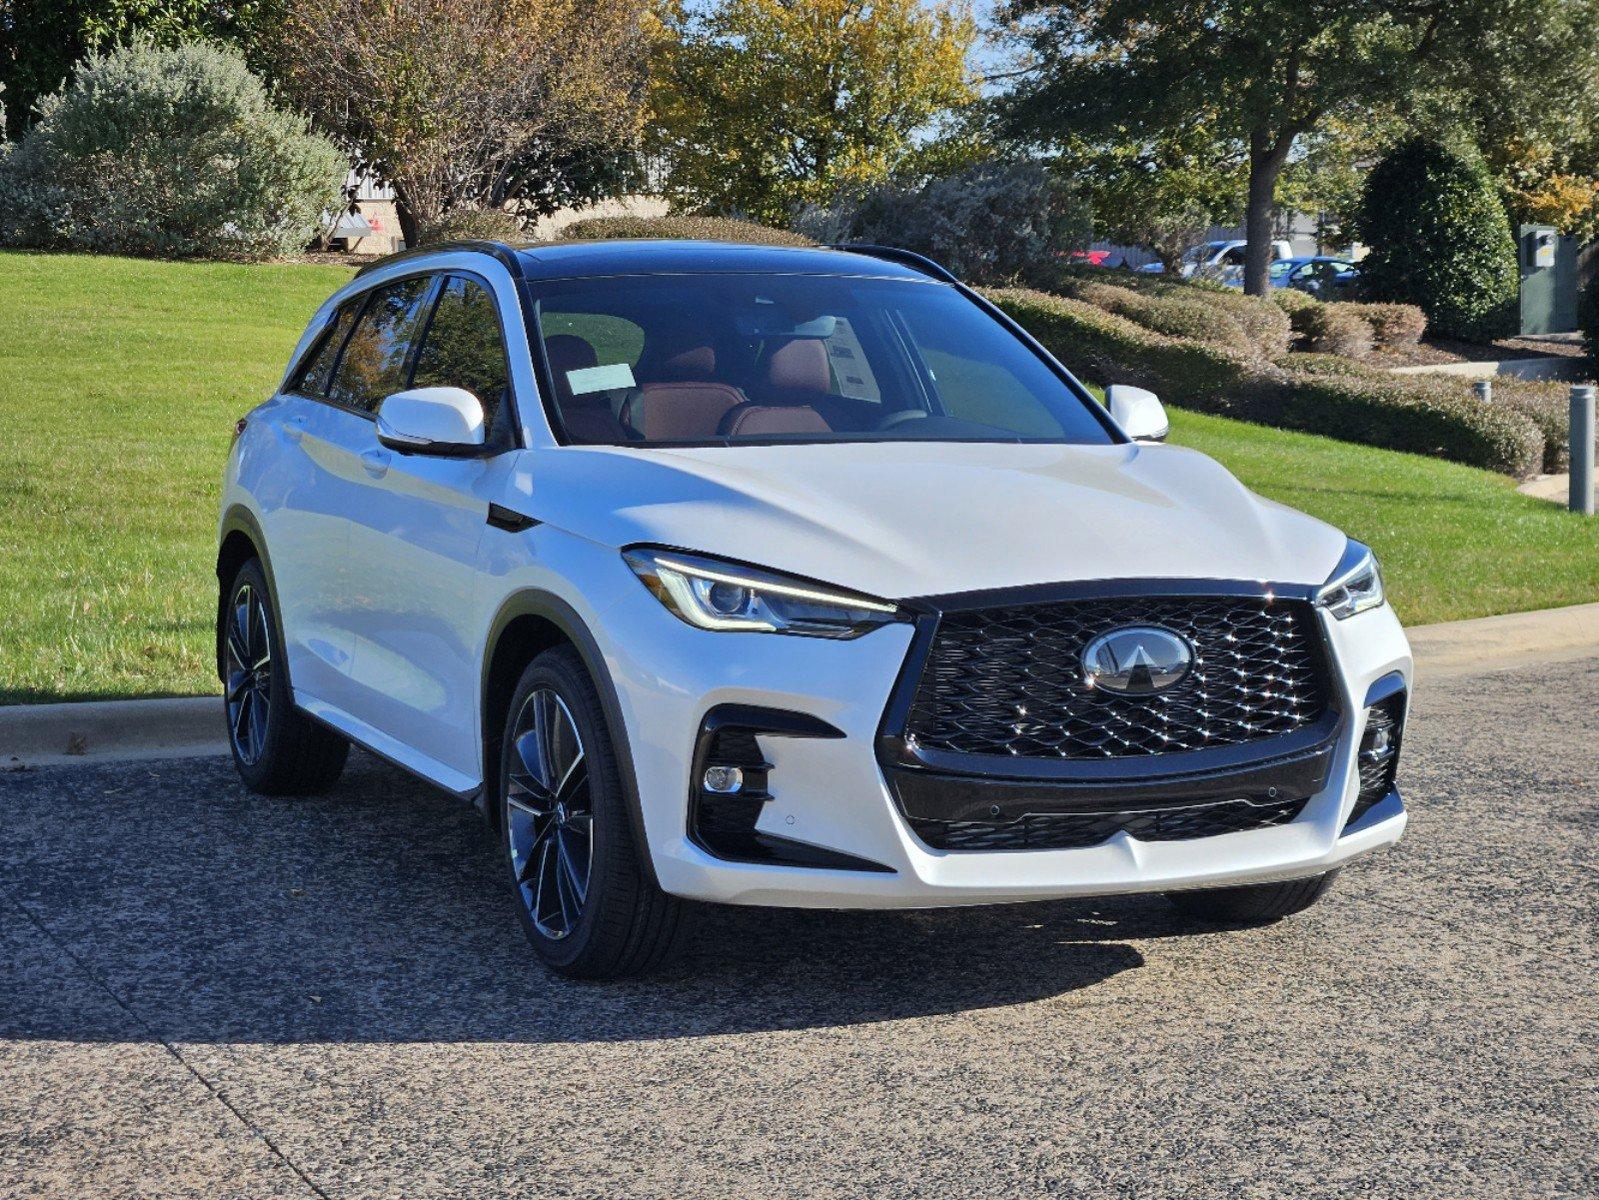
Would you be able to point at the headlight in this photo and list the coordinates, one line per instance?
(1355, 585)
(712, 594)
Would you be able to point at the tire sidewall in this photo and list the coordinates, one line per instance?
(560, 671)
(279, 694)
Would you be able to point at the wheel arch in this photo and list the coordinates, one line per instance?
(526, 625)
(240, 540)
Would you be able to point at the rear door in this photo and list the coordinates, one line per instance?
(413, 548)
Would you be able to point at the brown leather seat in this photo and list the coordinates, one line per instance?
(677, 401)
(587, 417)
(772, 420)
(797, 372)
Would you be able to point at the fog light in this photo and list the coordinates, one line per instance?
(723, 780)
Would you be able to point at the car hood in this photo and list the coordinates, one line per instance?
(907, 519)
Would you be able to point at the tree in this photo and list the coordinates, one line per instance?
(42, 41)
(1439, 239)
(1162, 195)
(763, 105)
(1272, 71)
(452, 101)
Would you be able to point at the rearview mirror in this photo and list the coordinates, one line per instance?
(1139, 412)
(446, 421)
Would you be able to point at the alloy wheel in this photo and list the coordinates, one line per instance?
(549, 814)
(249, 683)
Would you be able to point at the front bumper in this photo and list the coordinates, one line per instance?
(832, 793)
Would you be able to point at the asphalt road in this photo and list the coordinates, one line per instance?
(204, 993)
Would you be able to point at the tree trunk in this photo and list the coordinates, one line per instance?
(1267, 154)
(410, 227)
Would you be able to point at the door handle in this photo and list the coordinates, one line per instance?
(376, 462)
(294, 428)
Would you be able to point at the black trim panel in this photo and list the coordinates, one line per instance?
(509, 519)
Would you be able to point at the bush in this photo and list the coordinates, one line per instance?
(1293, 302)
(1439, 417)
(1322, 364)
(472, 224)
(996, 222)
(1546, 404)
(1393, 325)
(1212, 313)
(685, 228)
(167, 151)
(1588, 316)
(1171, 315)
(1334, 329)
(1440, 240)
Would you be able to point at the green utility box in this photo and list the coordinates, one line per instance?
(1551, 279)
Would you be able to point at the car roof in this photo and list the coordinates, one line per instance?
(596, 259)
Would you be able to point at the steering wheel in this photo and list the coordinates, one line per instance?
(903, 417)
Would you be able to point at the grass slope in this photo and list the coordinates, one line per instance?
(120, 381)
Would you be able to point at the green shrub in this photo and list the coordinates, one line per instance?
(1180, 317)
(473, 224)
(168, 151)
(1210, 312)
(1438, 417)
(1440, 240)
(1293, 302)
(1393, 325)
(685, 228)
(1588, 316)
(995, 222)
(1548, 405)
(1322, 364)
(1334, 329)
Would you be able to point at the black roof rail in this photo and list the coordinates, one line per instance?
(906, 258)
(499, 250)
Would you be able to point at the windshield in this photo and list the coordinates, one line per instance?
(723, 359)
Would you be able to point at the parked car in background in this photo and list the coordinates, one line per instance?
(1217, 260)
(1324, 276)
(793, 577)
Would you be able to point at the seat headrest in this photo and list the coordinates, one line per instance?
(767, 420)
(679, 356)
(799, 365)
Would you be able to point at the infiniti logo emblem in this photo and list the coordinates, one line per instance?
(1138, 660)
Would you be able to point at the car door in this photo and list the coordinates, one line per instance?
(414, 546)
(303, 501)
(371, 362)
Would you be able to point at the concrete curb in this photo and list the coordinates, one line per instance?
(1501, 643)
(127, 730)
(106, 730)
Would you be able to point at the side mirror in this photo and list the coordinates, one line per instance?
(446, 421)
(1140, 413)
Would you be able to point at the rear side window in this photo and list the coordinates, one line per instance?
(463, 348)
(318, 369)
(374, 361)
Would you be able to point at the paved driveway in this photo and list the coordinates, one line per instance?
(204, 993)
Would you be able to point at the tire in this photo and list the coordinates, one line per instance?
(1255, 904)
(278, 750)
(559, 776)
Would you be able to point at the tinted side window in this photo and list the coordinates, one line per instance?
(318, 368)
(373, 363)
(463, 348)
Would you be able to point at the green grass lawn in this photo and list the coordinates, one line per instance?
(120, 381)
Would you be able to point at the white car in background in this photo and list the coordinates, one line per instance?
(787, 577)
(1217, 260)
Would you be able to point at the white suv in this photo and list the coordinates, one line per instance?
(787, 577)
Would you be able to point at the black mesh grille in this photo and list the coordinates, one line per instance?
(1010, 680)
(1069, 831)
(1379, 756)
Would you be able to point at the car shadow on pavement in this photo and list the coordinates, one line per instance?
(160, 900)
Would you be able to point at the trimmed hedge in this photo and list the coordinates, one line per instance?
(1437, 417)
(1393, 324)
(1321, 364)
(1333, 329)
(472, 224)
(689, 229)
(1548, 405)
(1211, 313)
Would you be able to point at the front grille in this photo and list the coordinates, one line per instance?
(1071, 831)
(1009, 680)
